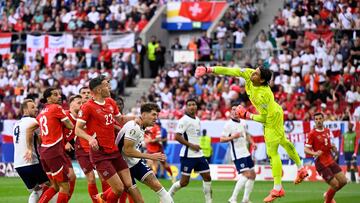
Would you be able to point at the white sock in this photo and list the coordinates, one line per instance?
(277, 187)
(164, 196)
(348, 175)
(356, 177)
(239, 184)
(34, 197)
(249, 185)
(207, 191)
(174, 188)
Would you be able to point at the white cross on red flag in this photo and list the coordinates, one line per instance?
(197, 11)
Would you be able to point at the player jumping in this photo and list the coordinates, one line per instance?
(31, 172)
(188, 133)
(235, 133)
(318, 144)
(130, 138)
(270, 114)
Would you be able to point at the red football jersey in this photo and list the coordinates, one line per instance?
(154, 132)
(99, 119)
(50, 122)
(321, 140)
(69, 134)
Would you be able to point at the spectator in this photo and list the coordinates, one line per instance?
(105, 57)
(140, 52)
(204, 45)
(151, 54)
(263, 47)
(176, 45)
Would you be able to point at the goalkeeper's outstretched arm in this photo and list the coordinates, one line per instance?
(237, 72)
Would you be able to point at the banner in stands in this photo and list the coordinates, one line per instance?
(5, 43)
(49, 45)
(192, 15)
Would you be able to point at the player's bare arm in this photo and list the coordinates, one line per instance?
(29, 140)
(251, 141)
(130, 151)
(79, 131)
(122, 119)
(67, 123)
(181, 140)
(308, 150)
(229, 138)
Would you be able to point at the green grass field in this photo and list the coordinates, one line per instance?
(12, 190)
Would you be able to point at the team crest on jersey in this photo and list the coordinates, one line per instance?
(111, 109)
(132, 132)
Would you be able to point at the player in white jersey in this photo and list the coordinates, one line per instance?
(191, 156)
(31, 172)
(130, 139)
(235, 133)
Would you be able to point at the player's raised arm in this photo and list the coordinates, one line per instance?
(220, 70)
(30, 140)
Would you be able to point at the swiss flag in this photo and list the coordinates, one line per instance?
(196, 11)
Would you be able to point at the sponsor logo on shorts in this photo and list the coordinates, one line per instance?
(186, 168)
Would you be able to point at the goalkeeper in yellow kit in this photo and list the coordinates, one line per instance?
(270, 114)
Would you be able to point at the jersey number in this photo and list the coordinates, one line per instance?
(43, 125)
(108, 119)
(17, 133)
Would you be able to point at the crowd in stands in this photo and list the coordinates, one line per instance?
(73, 16)
(230, 33)
(21, 78)
(314, 71)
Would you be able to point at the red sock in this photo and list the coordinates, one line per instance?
(123, 197)
(330, 195)
(130, 199)
(72, 187)
(104, 185)
(112, 197)
(168, 169)
(106, 193)
(47, 195)
(62, 198)
(93, 191)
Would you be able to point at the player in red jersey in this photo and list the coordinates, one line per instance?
(69, 136)
(82, 150)
(318, 144)
(153, 145)
(98, 115)
(52, 155)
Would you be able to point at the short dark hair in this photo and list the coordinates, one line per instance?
(73, 97)
(24, 104)
(148, 107)
(47, 93)
(265, 74)
(95, 82)
(190, 100)
(84, 87)
(319, 114)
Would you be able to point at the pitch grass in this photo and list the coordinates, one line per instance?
(12, 190)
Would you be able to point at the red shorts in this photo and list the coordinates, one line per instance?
(84, 161)
(56, 168)
(329, 172)
(68, 161)
(110, 164)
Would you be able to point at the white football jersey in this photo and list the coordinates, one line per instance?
(190, 129)
(19, 138)
(131, 131)
(238, 147)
